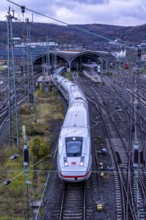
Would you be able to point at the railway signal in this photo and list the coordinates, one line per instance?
(139, 51)
(23, 9)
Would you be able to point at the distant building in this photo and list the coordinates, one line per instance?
(120, 54)
(20, 49)
(51, 44)
(17, 40)
(143, 57)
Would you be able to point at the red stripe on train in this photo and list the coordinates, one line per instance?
(75, 176)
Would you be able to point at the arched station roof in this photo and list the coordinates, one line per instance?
(70, 56)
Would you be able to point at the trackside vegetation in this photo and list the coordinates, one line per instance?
(39, 121)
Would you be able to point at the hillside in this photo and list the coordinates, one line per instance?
(74, 34)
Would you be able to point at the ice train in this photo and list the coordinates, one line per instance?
(74, 159)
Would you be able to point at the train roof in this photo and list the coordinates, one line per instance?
(76, 92)
(76, 116)
(74, 132)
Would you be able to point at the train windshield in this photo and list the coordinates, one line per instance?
(73, 147)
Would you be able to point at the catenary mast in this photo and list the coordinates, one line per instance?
(12, 96)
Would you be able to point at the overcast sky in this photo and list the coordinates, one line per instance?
(113, 12)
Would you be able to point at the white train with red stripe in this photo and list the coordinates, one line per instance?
(74, 158)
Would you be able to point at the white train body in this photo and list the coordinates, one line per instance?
(74, 158)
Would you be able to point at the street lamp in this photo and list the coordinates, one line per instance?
(14, 156)
(25, 163)
(7, 182)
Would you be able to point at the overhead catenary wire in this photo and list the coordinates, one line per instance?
(50, 171)
(38, 13)
(61, 146)
(77, 128)
(74, 26)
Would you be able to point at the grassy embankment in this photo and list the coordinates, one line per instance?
(38, 122)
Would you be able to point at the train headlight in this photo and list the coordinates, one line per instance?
(65, 161)
(82, 161)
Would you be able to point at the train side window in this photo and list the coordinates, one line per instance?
(73, 148)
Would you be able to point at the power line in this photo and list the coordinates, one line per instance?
(62, 145)
(65, 23)
(62, 22)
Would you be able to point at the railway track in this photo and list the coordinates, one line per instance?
(73, 205)
(21, 98)
(129, 192)
(76, 201)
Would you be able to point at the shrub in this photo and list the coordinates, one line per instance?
(39, 147)
(35, 129)
(25, 109)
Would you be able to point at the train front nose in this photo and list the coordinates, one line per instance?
(74, 169)
(74, 175)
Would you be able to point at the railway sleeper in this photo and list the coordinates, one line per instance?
(73, 216)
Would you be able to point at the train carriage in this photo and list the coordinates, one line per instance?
(74, 158)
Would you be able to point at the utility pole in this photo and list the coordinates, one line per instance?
(46, 68)
(54, 61)
(12, 96)
(26, 163)
(30, 71)
(48, 57)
